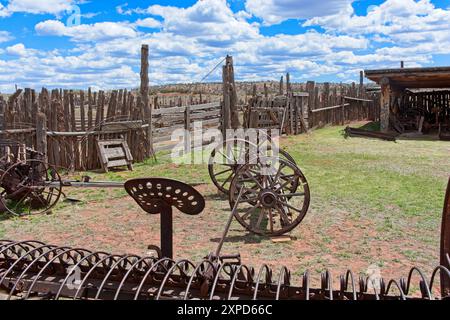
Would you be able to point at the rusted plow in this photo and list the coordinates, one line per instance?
(35, 270)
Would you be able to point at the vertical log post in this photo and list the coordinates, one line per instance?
(226, 103)
(385, 104)
(144, 92)
(41, 135)
(361, 84)
(288, 83)
(281, 91)
(230, 98)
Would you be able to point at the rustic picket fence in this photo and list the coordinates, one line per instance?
(73, 121)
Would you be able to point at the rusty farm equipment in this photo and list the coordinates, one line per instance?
(31, 186)
(275, 196)
(35, 270)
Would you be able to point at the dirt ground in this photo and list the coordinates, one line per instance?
(338, 233)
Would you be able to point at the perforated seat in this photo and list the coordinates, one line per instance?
(151, 195)
(158, 196)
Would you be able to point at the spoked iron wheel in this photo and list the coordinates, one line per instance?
(227, 158)
(274, 201)
(30, 187)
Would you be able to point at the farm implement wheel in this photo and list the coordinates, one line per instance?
(30, 187)
(227, 158)
(275, 197)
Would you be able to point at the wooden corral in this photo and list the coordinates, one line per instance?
(414, 99)
(68, 126)
(314, 106)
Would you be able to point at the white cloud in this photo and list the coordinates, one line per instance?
(190, 41)
(86, 32)
(276, 11)
(4, 11)
(17, 50)
(148, 23)
(416, 27)
(35, 7)
(212, 21)
(5, 36)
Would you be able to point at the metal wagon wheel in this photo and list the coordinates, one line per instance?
(30, 187)
(271, 203)
(227, 158)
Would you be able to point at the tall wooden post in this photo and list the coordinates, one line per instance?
(226, 103)
(288, 83)
(361, 84)
(144, 91)
(281, 91)
(2, 113)
(385, 102)
(230, 94)
(41, 135)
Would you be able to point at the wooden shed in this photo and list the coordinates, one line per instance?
(414, 99)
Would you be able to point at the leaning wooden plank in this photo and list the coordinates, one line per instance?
(357, 99)
(330, 108)
(354, 132)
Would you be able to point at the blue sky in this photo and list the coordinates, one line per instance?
(82, 43)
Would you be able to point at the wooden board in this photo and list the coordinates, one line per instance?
(114, 153)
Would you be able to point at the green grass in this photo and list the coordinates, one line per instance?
(371, 202)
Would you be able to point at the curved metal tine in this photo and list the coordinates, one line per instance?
(258, 278)
(375, 292)
(4, 243)
(77, 250)
(377, 296)
(159, 262)
(111, 256)
(394, 282)
(92, 254)
(344, 284)
(21, 258)
(100, 288)
(216, 279)
(439, 269)
(194, 273)
(306, 285)
(169, 273)
(424, 281)
(119, 288)
(20, 244)
(29, 267)
(236, 272)
(327, 281)
(283, 274)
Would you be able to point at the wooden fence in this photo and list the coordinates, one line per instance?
(75, 120)
(313, 107)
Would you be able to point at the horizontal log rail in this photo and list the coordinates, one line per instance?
(357, 99)
(331, 108)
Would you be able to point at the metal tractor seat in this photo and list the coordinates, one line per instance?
(158, 196)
